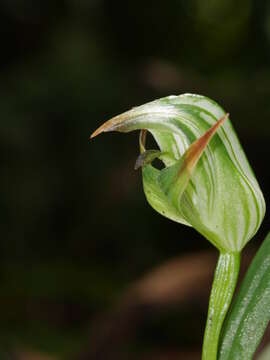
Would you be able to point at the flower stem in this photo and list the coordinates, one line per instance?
(223, 287)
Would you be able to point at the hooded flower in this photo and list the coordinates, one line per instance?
(206, 182)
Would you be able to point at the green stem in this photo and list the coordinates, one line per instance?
(224, 283)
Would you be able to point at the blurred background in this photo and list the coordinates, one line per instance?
(87, 269)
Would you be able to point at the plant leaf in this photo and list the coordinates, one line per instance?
(250, 312)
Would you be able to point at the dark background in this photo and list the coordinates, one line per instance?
(76, 231)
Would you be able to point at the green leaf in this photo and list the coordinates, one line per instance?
(250, 312)
(220, 197)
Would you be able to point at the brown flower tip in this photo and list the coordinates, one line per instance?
(197, 148)
(116, 122)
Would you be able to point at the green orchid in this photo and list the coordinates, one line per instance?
(220, 197)
(206, 183)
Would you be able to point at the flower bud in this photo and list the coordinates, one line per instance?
(206, 181)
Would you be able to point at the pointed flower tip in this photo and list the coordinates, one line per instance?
(223, 119)
(109, 125)
(215, 127)
(103, 128)
(96, 132)
(197, 148)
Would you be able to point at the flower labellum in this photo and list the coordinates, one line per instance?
(206, 182)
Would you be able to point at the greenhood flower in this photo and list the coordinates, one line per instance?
(208, 185)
